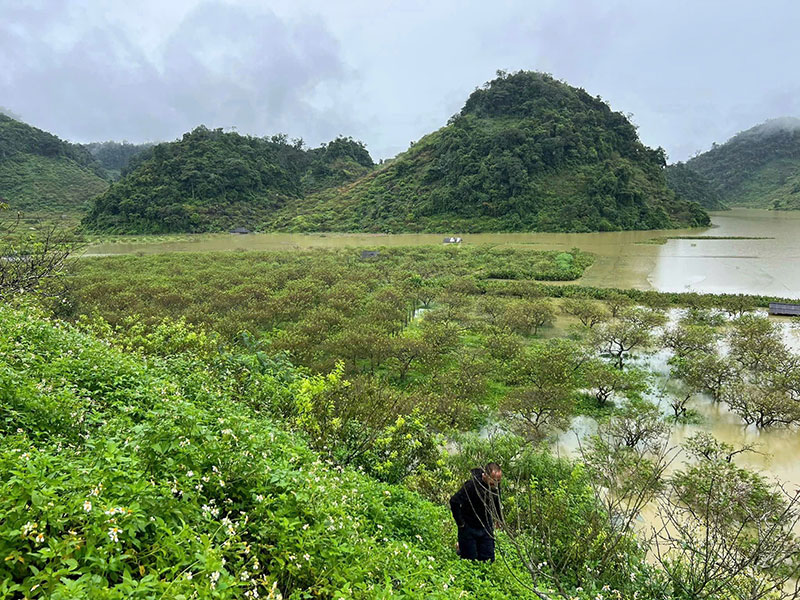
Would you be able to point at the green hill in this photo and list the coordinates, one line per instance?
(691, 185)
(41, 173)
(211, 180)
(759, 167)
(527, 152)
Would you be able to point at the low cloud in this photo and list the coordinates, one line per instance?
(222, 66)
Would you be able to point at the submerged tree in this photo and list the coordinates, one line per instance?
(726, 532)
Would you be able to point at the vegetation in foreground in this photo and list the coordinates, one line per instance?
(157, 459)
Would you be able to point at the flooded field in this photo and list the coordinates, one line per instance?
(629, 259)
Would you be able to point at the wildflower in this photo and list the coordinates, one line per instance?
(307, 557)
(28, 527)
(87, 506)
(305, 526)
(214, 578)
(190, 473)
(113, 534)
(189, 575)
(39, 537)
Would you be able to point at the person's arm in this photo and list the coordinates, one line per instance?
(456, 500)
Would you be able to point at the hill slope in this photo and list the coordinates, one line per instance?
(759, 167)
(691, 185)
(211, 180)
(526, 152)
(40, 172)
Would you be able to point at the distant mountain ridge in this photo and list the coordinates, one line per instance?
(759, 167)
(526, 153)
(40, 172)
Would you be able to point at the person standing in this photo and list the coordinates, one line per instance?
(476, 507)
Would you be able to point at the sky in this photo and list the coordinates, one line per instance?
(688, 73)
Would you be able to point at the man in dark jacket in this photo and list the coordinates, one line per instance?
(476, 507)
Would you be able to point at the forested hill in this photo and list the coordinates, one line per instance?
(40, 172)
(526, 152)
(212, 180)
(691, 185)
(759, 167)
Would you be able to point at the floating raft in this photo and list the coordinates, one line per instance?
(780, 308)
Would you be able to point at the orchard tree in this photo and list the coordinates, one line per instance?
(632, 330)
(528, 316)
(704, 372)
(684, 339)
(588, 312)
(727, 532)
(605, 381)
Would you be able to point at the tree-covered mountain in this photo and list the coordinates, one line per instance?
(211, 180)
(691, 185)
(759, 167)
(527, 152)
(41, 173)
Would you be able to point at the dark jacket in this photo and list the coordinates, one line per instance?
(476, 504)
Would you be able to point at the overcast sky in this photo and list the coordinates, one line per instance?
(387, 72)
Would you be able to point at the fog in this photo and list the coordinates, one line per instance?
(689, 73)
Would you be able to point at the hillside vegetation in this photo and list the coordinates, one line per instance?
(132, 476)
(40, 172)
(526, 152)
(211, 180)
(759, 168)
(693, 186)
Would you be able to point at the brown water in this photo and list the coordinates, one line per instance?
(623, 259)
(777, 448)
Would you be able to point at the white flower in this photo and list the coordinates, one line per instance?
(189, 575)
(190, 473)
(87, 506)
(39, 537)
(113, 534)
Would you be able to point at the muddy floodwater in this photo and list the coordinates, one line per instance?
(626, 259)
(766, 262)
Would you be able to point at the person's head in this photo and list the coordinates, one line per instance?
(492, 474)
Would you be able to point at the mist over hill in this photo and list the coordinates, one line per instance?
(526, 153)
(759, 167)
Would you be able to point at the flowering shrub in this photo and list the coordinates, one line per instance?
(124, 477)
